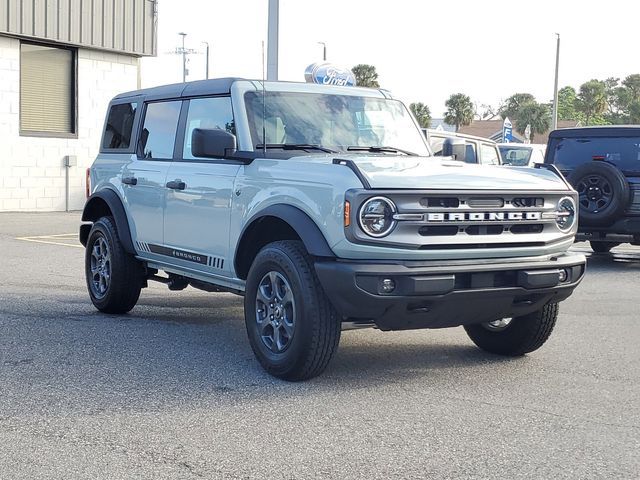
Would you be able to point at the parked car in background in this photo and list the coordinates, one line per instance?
(476, 149)
(603, 165)
(522, 154)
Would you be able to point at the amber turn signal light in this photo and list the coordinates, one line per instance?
(347, 214)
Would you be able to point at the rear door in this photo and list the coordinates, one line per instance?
(198, 206)
(143, 177)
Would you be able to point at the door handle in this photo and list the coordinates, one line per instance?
(177, 185)
(130, 180)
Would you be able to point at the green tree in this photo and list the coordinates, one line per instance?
(632, 84)
(535, 114)
(366, 75)
(514, 103)
(422, 114)
(567, 100)
(459, 110)
(592, 101)
(634, 113)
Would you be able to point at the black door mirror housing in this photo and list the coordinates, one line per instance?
(212, 143)
(456, 148)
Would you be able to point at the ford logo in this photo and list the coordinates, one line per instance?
(328, 74)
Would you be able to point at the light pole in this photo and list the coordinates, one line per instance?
(207, 63)
(554, 119)
(272, 39)
(324, 50)
(184, 58)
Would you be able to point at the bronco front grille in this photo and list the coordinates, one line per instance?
(468, 219)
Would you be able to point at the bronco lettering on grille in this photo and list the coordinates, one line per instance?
(482, 216)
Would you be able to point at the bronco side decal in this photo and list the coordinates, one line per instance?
(181, 254)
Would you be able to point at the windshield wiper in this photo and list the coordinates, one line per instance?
(295, 146)
(380, 149)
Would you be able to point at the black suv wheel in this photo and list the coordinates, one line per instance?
(114, 277)
(603, 193)
(293, 329)
(602, 247)
(515, 336)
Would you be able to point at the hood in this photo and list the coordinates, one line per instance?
(444, 173)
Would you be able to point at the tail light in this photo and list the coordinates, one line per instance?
(87, 183)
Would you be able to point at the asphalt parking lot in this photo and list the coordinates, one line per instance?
(172, 390)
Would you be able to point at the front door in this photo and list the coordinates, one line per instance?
(199, 193)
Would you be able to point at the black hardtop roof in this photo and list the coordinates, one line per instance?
(216, 86)
(597, 131)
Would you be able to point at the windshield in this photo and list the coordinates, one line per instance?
(334, 122)
(516, 156)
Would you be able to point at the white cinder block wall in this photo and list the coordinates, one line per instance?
(32, 175)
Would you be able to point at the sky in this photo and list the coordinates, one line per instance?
(423, 51)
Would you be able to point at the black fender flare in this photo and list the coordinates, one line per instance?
(308, 231)
(95, 208)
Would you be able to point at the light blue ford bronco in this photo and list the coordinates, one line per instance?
(324, 208)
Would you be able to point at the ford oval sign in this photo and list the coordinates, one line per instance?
(327, 74)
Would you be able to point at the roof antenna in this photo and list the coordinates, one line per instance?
(264, 109)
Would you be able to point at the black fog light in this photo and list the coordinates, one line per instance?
(387, 285)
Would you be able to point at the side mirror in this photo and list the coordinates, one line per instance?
(456, 148)
(212, 143)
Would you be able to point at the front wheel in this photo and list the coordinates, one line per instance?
(293, 329)
(515, 336)
(114, 277)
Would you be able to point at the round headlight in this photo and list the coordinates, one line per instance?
(566, 214)
(376, 216)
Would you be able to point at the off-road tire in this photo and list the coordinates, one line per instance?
(317, 326)
(126, 273)
(603, 247)
(523, 334)
(606, 180)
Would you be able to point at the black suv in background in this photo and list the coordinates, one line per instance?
(603, 165)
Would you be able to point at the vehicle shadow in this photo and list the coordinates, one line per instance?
(615, 259)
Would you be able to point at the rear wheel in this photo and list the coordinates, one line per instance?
(293, 329)
(515, 336)
(114, 277)
(603, 247)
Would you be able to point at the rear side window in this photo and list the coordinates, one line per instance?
(515, 155)
(623, 152)
(158, 135)
(117, 132)
(209, 113)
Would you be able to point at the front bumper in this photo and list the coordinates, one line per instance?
(447, 294)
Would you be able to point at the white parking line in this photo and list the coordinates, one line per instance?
(57, 239)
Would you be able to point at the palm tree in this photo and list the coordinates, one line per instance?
(365, 75)
(422, 114)
(535, 114)
(592, 99)
(460, 110)
(514, 103)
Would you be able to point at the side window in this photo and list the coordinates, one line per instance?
(158, 135)
(471, 155)
(117, 133)
(209, 113)
(489, 155)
